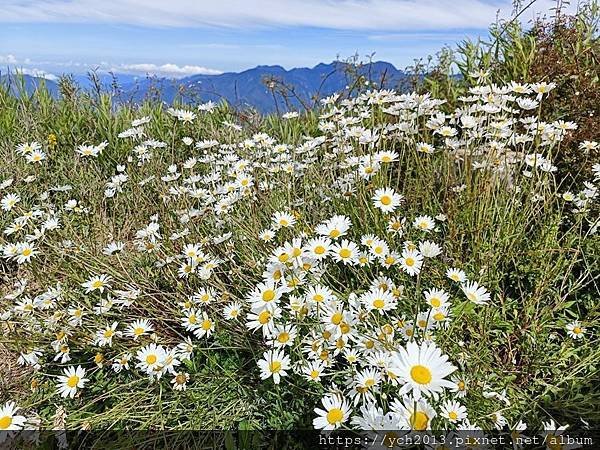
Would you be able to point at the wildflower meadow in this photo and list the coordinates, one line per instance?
(392, 260)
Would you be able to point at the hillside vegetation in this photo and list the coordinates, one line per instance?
(392, 260)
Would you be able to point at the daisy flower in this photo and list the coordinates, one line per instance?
(112, 248)
(97, 283)
(335, 227)
(453, 411)
(415, 414)
(25, 251)
(575, 329)
(138, 328)
(180, 380)
(205, 327)
(9, 420)
(436, 298)
(387, 200)
(283, 220)
(265, 295)
(379, 300)
(313, 370)
(475, 293)
(336, 411)
(105, 335)
(35, 156)
(150, 358)
(456, 275)
(423, 368)
(429, 249)
(9, 201)
(28, 147)
(347, 252)
(411, 262)
(318, 248)
(232, 310)
(283, 336)
(274, 364)
(72, 380)
(424, 223)
(263, 320)
(266, 235)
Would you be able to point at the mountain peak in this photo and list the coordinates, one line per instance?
(247, 88)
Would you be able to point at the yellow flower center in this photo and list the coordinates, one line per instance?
(345, 253)
(390, 260)
(419, 421)
(318, 298)
(73, 381)
(275, 366)
(283, 257)
(283, 337)
(420, 374)
(108, 334)
(452, 415)
(435, 302)
(439, 316)
(334, 233)
(378, 303)
(138, 331)
(5, 422)
(268, 295)
(577, 330)
(386, 200)
(206, 324)
(314, 374)
(97, 284)
(409, 262)
(335, 415)
(336, 319)
(27, 252)
(264, 317)
(319, 249)
(181, 378)
(370, 382)
(151, 359)
(192, 319)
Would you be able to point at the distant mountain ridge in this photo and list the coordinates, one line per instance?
(243, 89)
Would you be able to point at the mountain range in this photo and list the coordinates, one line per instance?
(249, 88)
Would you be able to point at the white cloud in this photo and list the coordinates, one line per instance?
(8, 59)
(164, 70)
(39, 73)
(391, 15)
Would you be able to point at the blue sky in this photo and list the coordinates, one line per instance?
(182, 37)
